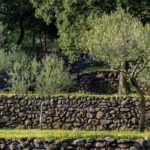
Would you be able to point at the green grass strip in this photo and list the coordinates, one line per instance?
(75, 94)
(81, 94)
(36, 133)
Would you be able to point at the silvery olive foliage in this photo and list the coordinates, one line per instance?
(70, 15)
(118, 38)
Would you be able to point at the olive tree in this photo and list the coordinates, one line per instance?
(123, 41)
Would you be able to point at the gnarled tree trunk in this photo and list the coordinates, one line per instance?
(22, 32)
(122, 88)
(142, 104)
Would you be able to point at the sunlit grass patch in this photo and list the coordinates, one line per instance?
(74, 94)
(36, 133)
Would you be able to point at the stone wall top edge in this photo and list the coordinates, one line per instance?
(71, 96)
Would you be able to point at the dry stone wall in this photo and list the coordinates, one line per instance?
(104, 82)
(75, 144)
(70, 112)
(98, 82)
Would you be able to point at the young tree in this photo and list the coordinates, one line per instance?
(53, 77)
(20, 72)
(123, 41)
(5, 63)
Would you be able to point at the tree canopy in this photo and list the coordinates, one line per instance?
(118, 36)
(58, 20)
(70, 15)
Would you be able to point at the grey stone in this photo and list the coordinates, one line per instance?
(146, 144)
(100, 144)
(2, 146)
(124, 109)
(138, 146)
(5, 119)
(37, 143)
(125, 102)
(68, 140)
(14, 146)
(88, 146)
(135, 148)
(27, 122)
(53, 147)
(89, 115)
(99, 115)
(79, 142)
(109, 140)
(133, 120)
(1, 107)
(90, 140)
(123, 141)
(124, 146)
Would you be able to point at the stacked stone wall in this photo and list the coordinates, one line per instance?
(75, 144)
(71, 112)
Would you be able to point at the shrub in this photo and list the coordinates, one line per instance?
(5, 62)
(53, 77)
(27, 74)
(19, 73)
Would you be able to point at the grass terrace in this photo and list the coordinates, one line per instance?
(58, 134)
(76, 94)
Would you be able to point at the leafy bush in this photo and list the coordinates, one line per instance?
(27, 74)
(19, 73)
(5, 62)
(53, 77)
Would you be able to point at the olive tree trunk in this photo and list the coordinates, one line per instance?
(122, 87)
(22, 32)
(141, 105)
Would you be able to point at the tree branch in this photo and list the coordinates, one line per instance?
(136, 67)
(144, 66)
(21, 37)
